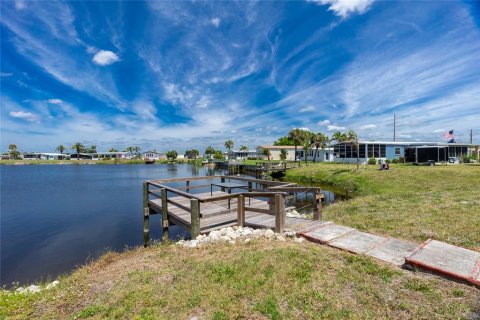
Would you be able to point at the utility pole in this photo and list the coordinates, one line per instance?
(471, 136)
(394, 126)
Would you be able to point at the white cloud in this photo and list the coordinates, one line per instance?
(145, 110)
(368, 126)
(324, 122)
(24, 115)
(335, 128)
(20, 4)
(307, 109)
(105, 58)
(344, 8)
(203, 102)
(6, 74)
(55, 101)
(439, 130)
(215, 22)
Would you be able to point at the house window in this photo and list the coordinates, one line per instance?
(383, 150)
(398, 151)
(370, 150)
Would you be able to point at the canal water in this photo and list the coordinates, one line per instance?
(56, 217)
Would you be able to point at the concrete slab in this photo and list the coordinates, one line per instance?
(446, 259)
(392, 251)
(327, 232)
(357, 241)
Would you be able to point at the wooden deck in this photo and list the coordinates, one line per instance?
(260, 204)
(216, 214)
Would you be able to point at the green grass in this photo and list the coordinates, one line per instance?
(259, 280)
(409, 202)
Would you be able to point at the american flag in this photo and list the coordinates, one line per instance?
(448, 135)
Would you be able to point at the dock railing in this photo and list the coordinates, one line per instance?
(274, 191)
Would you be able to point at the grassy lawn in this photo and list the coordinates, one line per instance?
(409, 202)
(259, 280)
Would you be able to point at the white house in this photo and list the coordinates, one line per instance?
(46, 156)
(241, 155)
(103, 155)
(323, 155)
(153, 155)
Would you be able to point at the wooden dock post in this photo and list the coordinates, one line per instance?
(317, 206)
(163, 194)
(195, 218)
(222, 180)
(146, 216)
(279, 213)
(241, 211)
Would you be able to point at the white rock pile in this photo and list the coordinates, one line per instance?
(296, 214)
(240, 234)
(35, 289)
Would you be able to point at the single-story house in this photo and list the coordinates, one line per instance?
(45, 156)
(103, 155)
(403, 151)
(153, 155)
(240, 155)
(322, 155)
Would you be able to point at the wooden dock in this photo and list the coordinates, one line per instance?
(257, 170)
(259, 204)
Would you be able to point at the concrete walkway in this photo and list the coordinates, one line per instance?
(433, 256)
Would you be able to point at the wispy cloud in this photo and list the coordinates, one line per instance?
(24, 115)
(367, 126)
(332, 128)
(55, 101)
(193, 80)
(307, 109)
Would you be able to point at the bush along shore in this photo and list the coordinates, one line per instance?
(241, 273)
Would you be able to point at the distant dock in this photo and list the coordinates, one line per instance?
(258, 170)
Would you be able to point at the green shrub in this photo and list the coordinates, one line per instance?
(372, 161)
(395, 160)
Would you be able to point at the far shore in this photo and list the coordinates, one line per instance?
(91, 162)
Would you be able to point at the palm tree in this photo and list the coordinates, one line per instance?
(209, 151)
(339, 137)
(296, 136)
(306, 141)
(319, 141)
(229, 146)
(78, 147)
(60, 149)
(137, 150)
(352, 139)
(113, 150)
(266, 152)
(244, 148)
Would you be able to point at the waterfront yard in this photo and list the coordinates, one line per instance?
(262, 279)
(410, 202)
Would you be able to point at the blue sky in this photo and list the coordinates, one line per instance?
(164, 75)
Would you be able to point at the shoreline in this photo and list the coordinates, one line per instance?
(89, 162)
